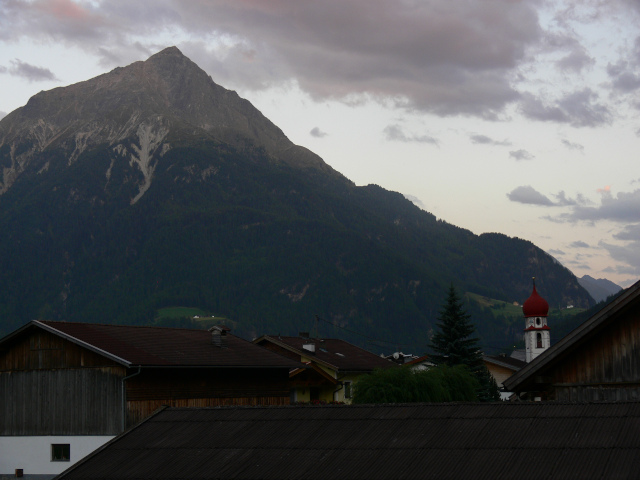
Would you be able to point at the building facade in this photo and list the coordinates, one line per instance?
(68, 388)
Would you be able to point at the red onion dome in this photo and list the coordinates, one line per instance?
(535, 305)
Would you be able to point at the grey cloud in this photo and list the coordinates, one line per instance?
(395, 133)
(521, 155)
(629, 254)
(579, 109)
(572, 145)
(579, 244)
(563, 201)
(556, 252)
(484, 140)
(528, 195)
(625, 73)
(576, 58)
(316, 132)
(624, 207)
(415, 200)
(629, 232)
(28, 71)
(443, 57)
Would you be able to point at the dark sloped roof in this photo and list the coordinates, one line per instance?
(504, 361)
(590, 328)
(333, 352)
(164, 347)
(416, 441)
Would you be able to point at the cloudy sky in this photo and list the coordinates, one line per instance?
(519, 117)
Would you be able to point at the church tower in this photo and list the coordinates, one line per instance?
(536, 331)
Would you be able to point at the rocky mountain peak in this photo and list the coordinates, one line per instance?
(140, 111)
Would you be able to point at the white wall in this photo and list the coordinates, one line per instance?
(33, 454)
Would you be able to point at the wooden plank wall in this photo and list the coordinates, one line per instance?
(140, 409)
(39, 349)
(204, 387)
(84, 401)
(605, 368)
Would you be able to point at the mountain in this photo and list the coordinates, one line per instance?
(599, 289)
(150, 186)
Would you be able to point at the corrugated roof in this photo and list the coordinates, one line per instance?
(333, 352)
(165, 347)
(414, 441)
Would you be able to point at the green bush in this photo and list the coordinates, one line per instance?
(404, 385)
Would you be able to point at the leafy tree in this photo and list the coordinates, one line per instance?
(454, 344)
(404, 385)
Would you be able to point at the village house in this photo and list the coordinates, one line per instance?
(333, 366)
(500, 440)
(599, 360)
(67, 388)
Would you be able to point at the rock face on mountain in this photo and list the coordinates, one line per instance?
(151, 186)
(138, 111)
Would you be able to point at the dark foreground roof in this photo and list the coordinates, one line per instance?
(159, 346)
(419, 441)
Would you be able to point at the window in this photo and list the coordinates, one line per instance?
(538, 340)
(60, 452)
(348, 390)
(314, 393)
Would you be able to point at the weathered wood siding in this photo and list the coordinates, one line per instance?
(61, 402)
(41, 350)
(606, 368)
(204, 387)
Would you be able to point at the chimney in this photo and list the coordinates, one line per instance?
(219, 336)
(304, 334)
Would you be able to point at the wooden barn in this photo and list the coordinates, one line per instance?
(600, 360)
(67, 388)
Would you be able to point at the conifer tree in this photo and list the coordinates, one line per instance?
(454, 343)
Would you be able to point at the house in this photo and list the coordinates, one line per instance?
(501, 440)
(599, 360)
(67, 388)
(420, 363)
(333, 366)
(502, 367)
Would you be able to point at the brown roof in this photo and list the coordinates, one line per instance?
(417, 441)
(332, 352)
(165, 347)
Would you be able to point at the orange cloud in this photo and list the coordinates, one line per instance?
(64, 9)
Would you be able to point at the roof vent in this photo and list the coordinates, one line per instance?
(309, 347)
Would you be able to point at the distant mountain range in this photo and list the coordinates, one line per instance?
(150, 186)
(599, 289)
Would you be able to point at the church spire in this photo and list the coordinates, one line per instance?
(536, 333)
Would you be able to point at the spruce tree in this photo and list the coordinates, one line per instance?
(454, 343)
